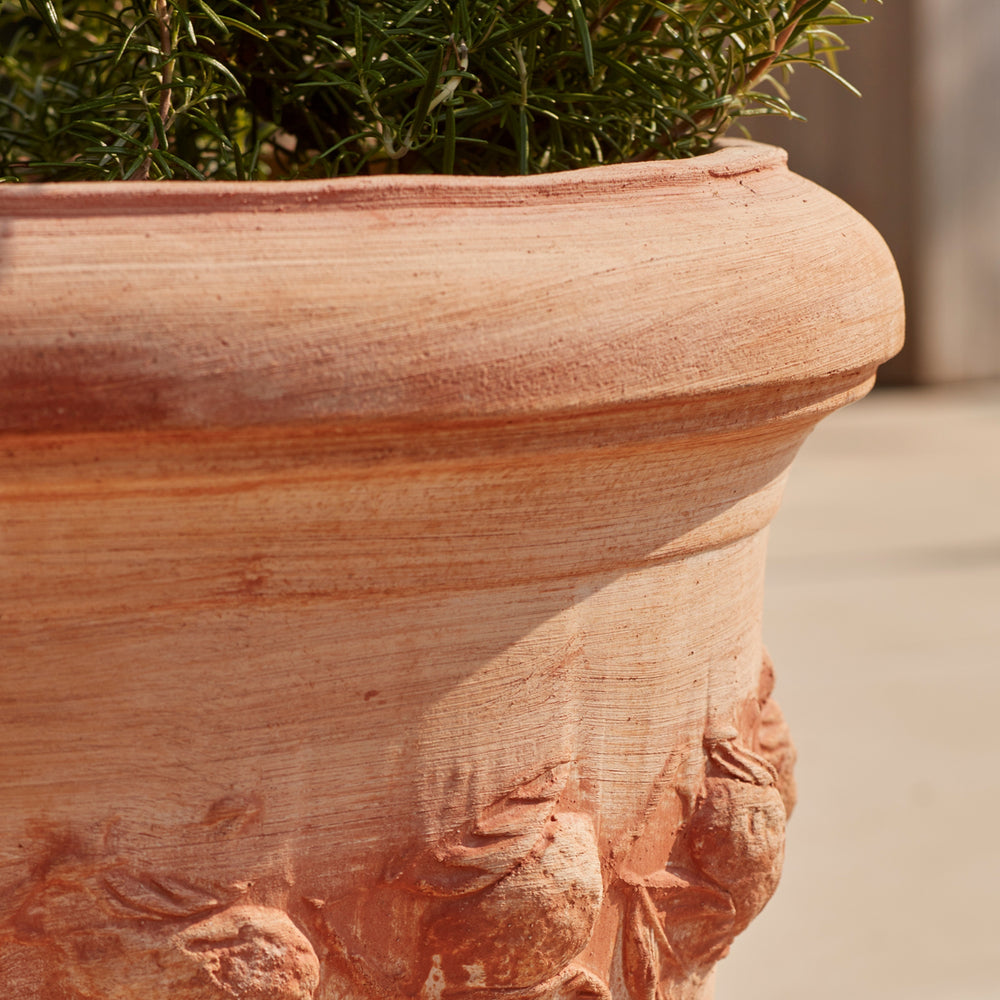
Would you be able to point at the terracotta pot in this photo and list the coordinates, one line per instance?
(382, 574)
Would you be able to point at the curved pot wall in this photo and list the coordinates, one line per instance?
(383, 571)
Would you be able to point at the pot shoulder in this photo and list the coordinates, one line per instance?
(186, 305)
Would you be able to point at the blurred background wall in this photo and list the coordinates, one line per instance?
(919, 155)
(883, 589)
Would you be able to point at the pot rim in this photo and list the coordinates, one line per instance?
(430, 300)
(728, 158)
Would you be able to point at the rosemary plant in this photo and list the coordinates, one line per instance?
(113, 89)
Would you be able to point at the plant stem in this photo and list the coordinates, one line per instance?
(761, 69)
(166, 78)
(756, 73)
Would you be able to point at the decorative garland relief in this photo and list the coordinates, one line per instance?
(503, 907)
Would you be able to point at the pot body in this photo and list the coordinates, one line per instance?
(383, 568)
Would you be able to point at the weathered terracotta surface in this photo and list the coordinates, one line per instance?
(382, 569)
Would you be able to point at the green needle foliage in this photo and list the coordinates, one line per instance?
(118, 89)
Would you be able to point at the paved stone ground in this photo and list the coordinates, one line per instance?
(883, 618)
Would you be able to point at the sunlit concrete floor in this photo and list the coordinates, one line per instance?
(883, 618)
